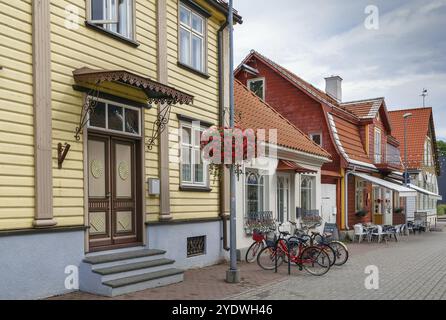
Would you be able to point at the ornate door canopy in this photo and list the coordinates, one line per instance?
(156, 92)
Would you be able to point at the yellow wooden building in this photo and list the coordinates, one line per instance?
(101, 107)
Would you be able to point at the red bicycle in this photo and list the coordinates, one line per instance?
(257, 246)
(311, 258)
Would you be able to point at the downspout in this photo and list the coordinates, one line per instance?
(223, 216)
(346, 176)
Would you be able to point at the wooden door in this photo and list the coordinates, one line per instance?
(114, 217)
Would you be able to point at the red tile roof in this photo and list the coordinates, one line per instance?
(257, 114)
(364, 109)
(348, 139)
(417, 130)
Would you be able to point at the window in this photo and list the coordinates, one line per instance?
(116, 117)
(283, 199)
(254, 192)
(307, 193)
(317, 138)
(360, 195)
(196, 246)
(192, 39)
(193, 169)
(116, 16)
(428, 153)
(378, 148)
(258, 87)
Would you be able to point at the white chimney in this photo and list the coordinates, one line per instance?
(333, 87)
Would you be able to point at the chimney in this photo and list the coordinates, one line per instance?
(333, 87)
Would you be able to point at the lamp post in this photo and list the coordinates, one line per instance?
(406, 117)
(233, 274)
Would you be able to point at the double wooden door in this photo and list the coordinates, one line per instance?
(114, 211)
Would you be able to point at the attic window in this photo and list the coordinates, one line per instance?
(258, 87)
(317, 138)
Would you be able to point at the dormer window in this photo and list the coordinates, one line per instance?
(378, 146)
(258, 87)
(317, 138)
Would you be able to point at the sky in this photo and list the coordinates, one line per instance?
(393, 51)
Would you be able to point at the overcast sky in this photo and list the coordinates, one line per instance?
(319, 38)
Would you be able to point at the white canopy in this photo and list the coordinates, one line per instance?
(403, 191)
(424, 191)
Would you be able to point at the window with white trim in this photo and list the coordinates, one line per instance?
(194, 171)
(428, 152)
(255, 192)
(116, 16)
(116, 117)
(308, 193)
(317, 138)
(257, 86)
(192, 30)
(378, 146)
(360, 192)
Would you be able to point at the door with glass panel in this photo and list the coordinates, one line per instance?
(112, 191)
(114, 173)
(283, 198)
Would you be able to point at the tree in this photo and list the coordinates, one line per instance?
(441, 145)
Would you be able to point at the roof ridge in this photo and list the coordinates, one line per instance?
(414, 108)
(333, 103)
(363, 100)
(282, 117)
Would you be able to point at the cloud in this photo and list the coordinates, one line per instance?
(320, 38)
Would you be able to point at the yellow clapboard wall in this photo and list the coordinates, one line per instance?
(76, 48)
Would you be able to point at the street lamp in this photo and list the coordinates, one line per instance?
(406, 117)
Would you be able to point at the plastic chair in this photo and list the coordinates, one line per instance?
(359, 232)
(378, 232)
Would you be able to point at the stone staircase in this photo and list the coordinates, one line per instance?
(119, 272)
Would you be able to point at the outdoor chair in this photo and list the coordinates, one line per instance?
(378, 233)
(359, 232)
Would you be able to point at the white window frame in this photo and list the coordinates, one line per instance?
(378, 157)
(193, 148)
(261, 196)
(131, 19)
(192, 32)
(312, 191)
(256, 80)
(312, 135)
(287, 214)
(117, 104)
(360, 187)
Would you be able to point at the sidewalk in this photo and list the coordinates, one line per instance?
(199, 284)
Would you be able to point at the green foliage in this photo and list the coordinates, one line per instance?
(441, 209)
(441, 145)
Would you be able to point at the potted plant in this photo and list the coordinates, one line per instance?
(362, 213)
(398, 210)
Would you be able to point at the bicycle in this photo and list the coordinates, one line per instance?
(258, 244)
(311, 258)
(340, 250)
(304, 233)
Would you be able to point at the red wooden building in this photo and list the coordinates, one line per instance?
(363, 181)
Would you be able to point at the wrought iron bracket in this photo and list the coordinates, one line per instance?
(62, 151)
(160, 124)
(88, 108)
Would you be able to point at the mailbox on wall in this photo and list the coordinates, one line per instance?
(154, 186)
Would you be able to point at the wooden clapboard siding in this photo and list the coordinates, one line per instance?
(16, 116)
(191, 205)
(72, 49)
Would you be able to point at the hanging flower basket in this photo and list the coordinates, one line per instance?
(362, 213)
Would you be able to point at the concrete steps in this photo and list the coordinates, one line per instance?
(120, 272)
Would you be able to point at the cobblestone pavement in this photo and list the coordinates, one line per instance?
(414, 268)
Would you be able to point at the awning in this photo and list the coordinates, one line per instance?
(403, 191)
(285, 165)
(424, 191)
(156, 92)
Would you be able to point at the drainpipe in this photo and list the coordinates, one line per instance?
(346, 176)
(223, 216)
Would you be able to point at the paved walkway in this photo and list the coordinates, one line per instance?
(414, 268)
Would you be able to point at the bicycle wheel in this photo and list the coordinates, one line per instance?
(329, 251)
(266, 259)
(315, 261)
(341, 252)
(253, 251)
